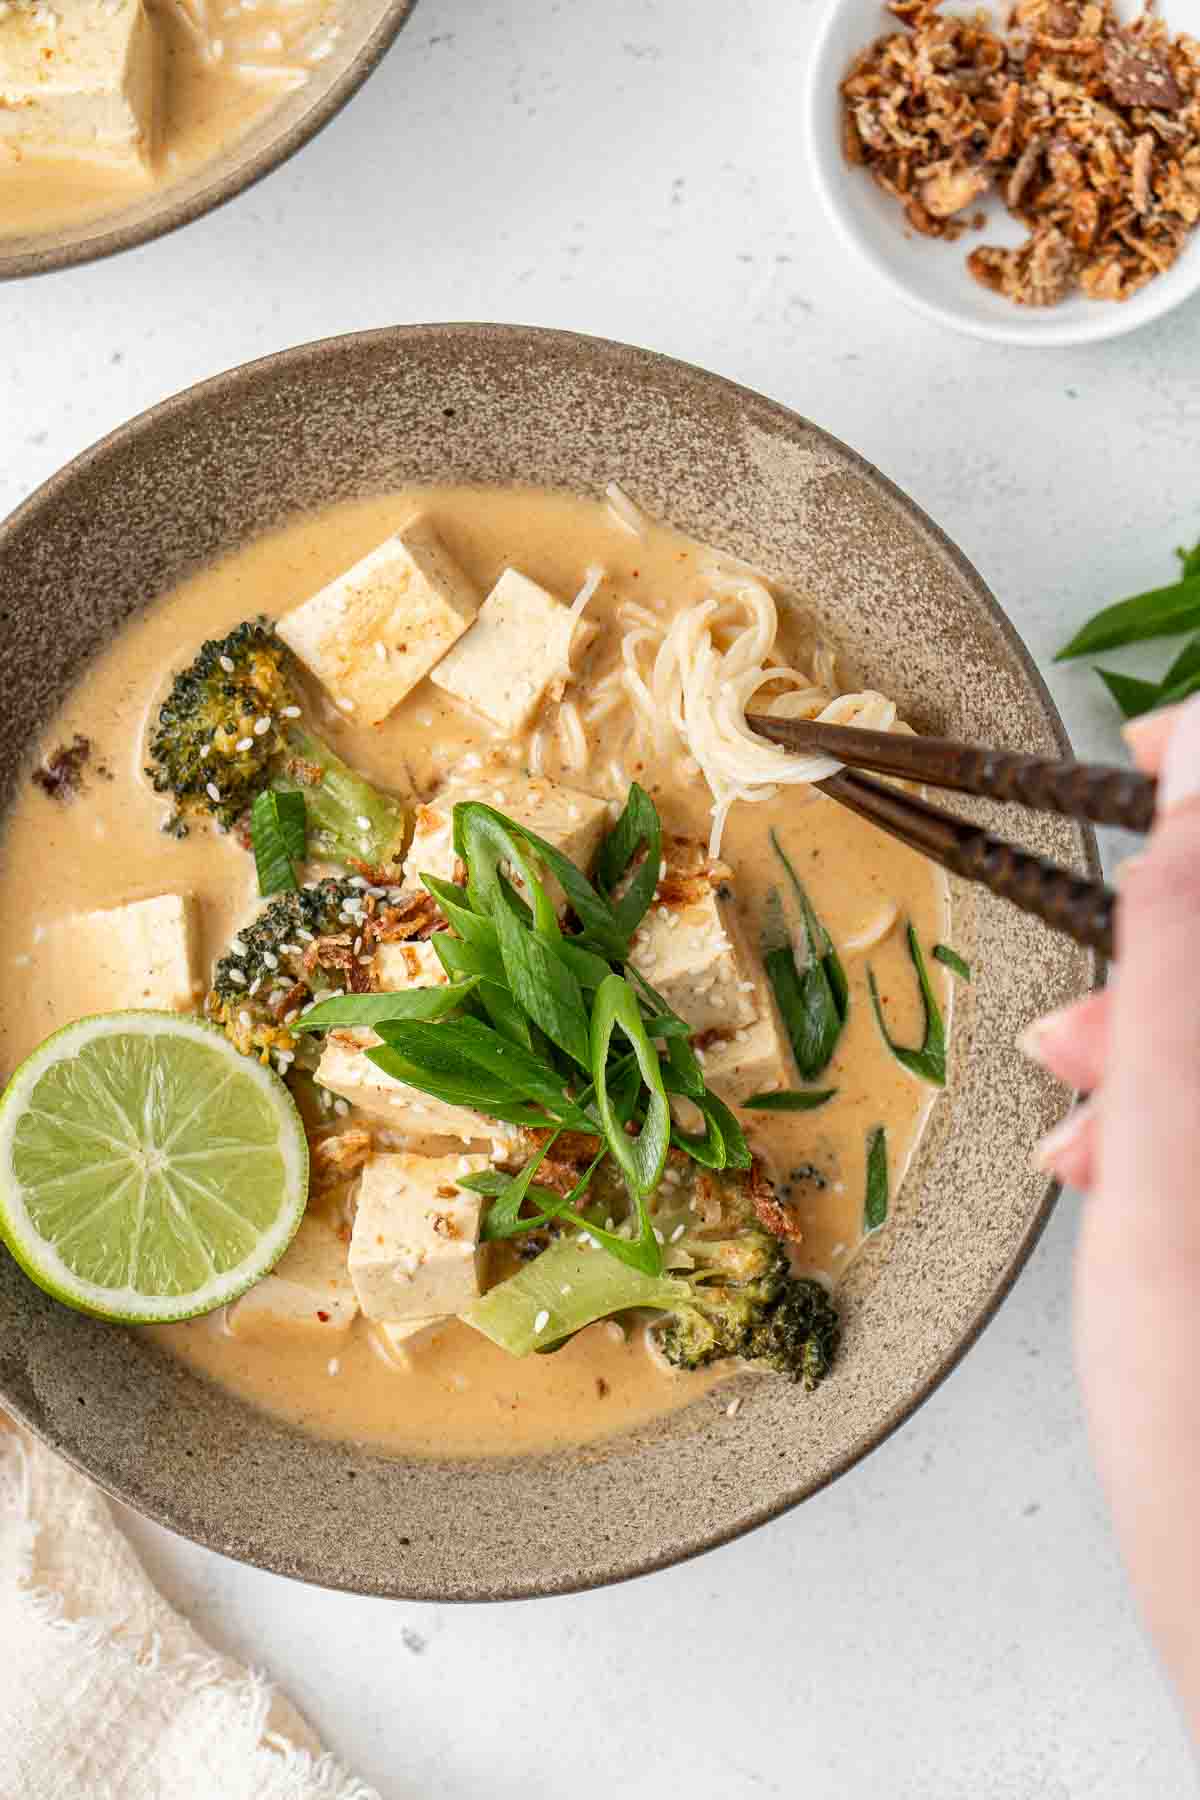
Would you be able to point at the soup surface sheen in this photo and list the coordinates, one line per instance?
(460, 1395)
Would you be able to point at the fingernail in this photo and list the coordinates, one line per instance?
(1064, 1137)
(1033, 1040)
(1181, 765)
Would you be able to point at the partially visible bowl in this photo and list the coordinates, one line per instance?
(368, 28)
(201, 475)
(929, 275)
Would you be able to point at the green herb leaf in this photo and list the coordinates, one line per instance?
(820, 944)
(1186, 666)
(468, 1088)
(875, 1207)
(474, 1050)
(666, 1024)
(279, 834)
(467, 961)
(802, 1100)
(485, 839)
(929, 1062)
(641, 1159)
(807, 1007)
(381, 1009)
(638, 827)
(1162, 612)
(956, 964)
(1132, 695)
(1190, 560)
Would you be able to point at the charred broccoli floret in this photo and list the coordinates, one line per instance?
(232, 725)
(301, 944)
(741, 1299)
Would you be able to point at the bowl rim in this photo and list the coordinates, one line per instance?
(1027, 329)
(108, 241)
(482, 333)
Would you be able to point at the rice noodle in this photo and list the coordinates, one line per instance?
(625, 511)
(572, 737)
(710, 663)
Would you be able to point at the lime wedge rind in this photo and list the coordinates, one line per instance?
(264, 1103)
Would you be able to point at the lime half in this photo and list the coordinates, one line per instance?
(147, 1170)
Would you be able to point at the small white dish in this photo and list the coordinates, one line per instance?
(927, 274)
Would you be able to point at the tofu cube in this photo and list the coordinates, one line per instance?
(141, 955)
(572, 821)
(400, 966)
(687, 949)
(398, 1338)
(414, 1251)
(517, 651)
(79, 78)
(308, 1293)
(372, 634)
(345, 1070)
(756, 1059)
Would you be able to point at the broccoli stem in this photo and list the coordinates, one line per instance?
(573, 1286)
(350, 821)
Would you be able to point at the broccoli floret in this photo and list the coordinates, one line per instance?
(232, 725)
(743, 1300)
(300, 944)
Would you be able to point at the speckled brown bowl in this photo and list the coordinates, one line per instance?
(368, 29)
(201, 474)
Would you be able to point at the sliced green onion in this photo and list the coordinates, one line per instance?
(791, 1100)
(279, 834)
(929, 1062)
(875, 1207)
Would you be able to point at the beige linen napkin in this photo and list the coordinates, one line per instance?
(105, 1692)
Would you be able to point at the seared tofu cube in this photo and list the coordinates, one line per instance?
(345, 1069)
(572, 821)
(400, 966)
(518, 650)
(79, 78)
(307, 1294)
(141, 955)
(414, 1250)
(372, 634)
(755, 1059)
(687, 949)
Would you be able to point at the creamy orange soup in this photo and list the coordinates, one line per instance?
(456, 1393)
(222, 66)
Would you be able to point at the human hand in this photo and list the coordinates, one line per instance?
(1134, 1146)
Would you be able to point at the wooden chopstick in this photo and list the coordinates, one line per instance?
(1101, 794)
(1082, 909)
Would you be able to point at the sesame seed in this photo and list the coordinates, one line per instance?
(341, 1108)
(732, 1410)
(22, 962)
(238, 976)
(207, 751)
(261, 727)
(270, 958)
(289, 1018)
(244, 744)
(357, 946)
(237, 946)
(542, 1320)
(333, 1365)
(364, 843)
(227, 664)
(358, 881)
(658, 1234)
(678, 1232)
(254, 985)
(564, 1291)
(244, 1019)
(346, 705)
(212, 790)
(363, 823)
(381, 650)
(289, 712)
(306, 937)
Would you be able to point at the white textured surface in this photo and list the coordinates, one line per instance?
(950, 1619)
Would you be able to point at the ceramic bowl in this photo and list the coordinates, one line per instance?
(930, 276)
(200, 475)
(368, 28)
